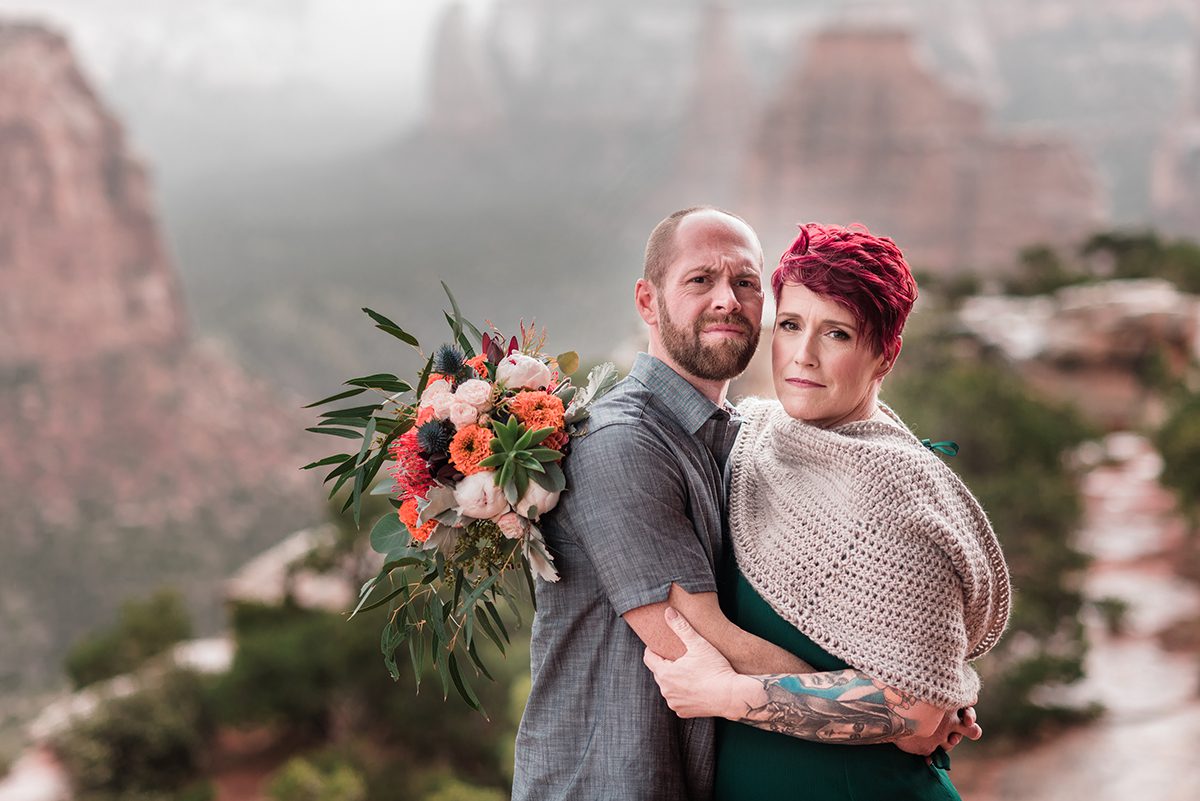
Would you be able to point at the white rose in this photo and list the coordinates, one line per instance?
(475, 392)
(463, 414)
(539, 497)
(512, 525)
(478, 496)
(519, 371)
(436, 390)
(442, 404)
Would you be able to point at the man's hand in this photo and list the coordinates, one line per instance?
(956, 724)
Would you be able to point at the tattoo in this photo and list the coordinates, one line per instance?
(844, 706)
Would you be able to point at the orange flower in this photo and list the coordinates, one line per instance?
(409, 515)
(557, 440)
(425, 414)
(476, 362)
(470, 446)
(538, 410)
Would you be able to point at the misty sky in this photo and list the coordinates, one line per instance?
(359, 51)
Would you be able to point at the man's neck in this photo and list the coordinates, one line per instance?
(715, 391)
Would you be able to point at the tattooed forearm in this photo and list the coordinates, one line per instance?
(844, 706)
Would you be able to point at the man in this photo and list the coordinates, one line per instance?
(642, 527)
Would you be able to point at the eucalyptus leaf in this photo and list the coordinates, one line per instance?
(383, 488)
(347, 433)
(568, 362)
(388, 534)
(350, 393)
(337, 458)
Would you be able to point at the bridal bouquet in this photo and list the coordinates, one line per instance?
(474, 450)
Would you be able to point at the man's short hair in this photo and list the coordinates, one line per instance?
(660, 248)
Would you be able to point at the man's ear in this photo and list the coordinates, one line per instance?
(645, 298)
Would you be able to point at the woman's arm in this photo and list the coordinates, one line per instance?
(844, 706)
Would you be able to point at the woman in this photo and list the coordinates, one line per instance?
(856, 548)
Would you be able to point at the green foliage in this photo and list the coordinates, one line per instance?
(1179, 443)
(1040, 271)
(318, 675)
(452, 789)
(301, 780)
(151, 744)
(144, 629)
(1012, 457)
(1144, 254)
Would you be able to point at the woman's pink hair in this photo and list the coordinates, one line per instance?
(865, 273)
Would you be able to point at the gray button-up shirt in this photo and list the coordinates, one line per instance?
(644, 509)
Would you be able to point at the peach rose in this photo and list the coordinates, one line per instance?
(512, 525)
(463, 414)
(475, 392)
(478, 496)
(519, 371)
(538, 497)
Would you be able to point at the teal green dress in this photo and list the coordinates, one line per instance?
(753, 764)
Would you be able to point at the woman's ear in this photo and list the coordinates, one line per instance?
(886, 366)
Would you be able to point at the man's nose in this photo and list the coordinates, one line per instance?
(725, 298)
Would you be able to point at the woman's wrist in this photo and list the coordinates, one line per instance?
(745, 693)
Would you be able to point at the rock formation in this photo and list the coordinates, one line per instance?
(1175, 181)
(1109, 348)
(130, 455)
(719, 115)
(861, 131)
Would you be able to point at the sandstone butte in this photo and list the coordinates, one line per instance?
(131, 454)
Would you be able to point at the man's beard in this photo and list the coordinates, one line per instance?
(721, 362)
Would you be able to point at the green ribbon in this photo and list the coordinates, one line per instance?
(945, 447)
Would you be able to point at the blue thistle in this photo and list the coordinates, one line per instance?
(434, 437)
(449, 361)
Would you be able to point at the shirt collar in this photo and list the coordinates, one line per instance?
(686, 404)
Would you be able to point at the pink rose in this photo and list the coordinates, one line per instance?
(519, 371)
(435, 392)
(478, 496)
(512, 525)
(475, 392)
(538, 497)
(463, 414)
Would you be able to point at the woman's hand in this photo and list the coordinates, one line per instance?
(701, 683)
(955, 725)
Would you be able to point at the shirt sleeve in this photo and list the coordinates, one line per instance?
(626, 510)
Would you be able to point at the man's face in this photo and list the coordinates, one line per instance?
(711, 298)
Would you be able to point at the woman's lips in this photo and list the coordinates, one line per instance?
(804, 383)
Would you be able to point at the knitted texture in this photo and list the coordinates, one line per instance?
(867, 543)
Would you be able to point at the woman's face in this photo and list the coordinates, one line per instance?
(825, 368)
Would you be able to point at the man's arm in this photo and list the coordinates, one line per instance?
(845, 706)
(746, 652)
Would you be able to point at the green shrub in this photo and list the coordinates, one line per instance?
(1012, 454)
(301, 780)
(143, 629)
(150, 744)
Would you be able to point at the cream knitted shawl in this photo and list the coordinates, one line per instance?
(866, 542)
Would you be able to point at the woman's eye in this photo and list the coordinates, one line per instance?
(839, 335)
(788, 325)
